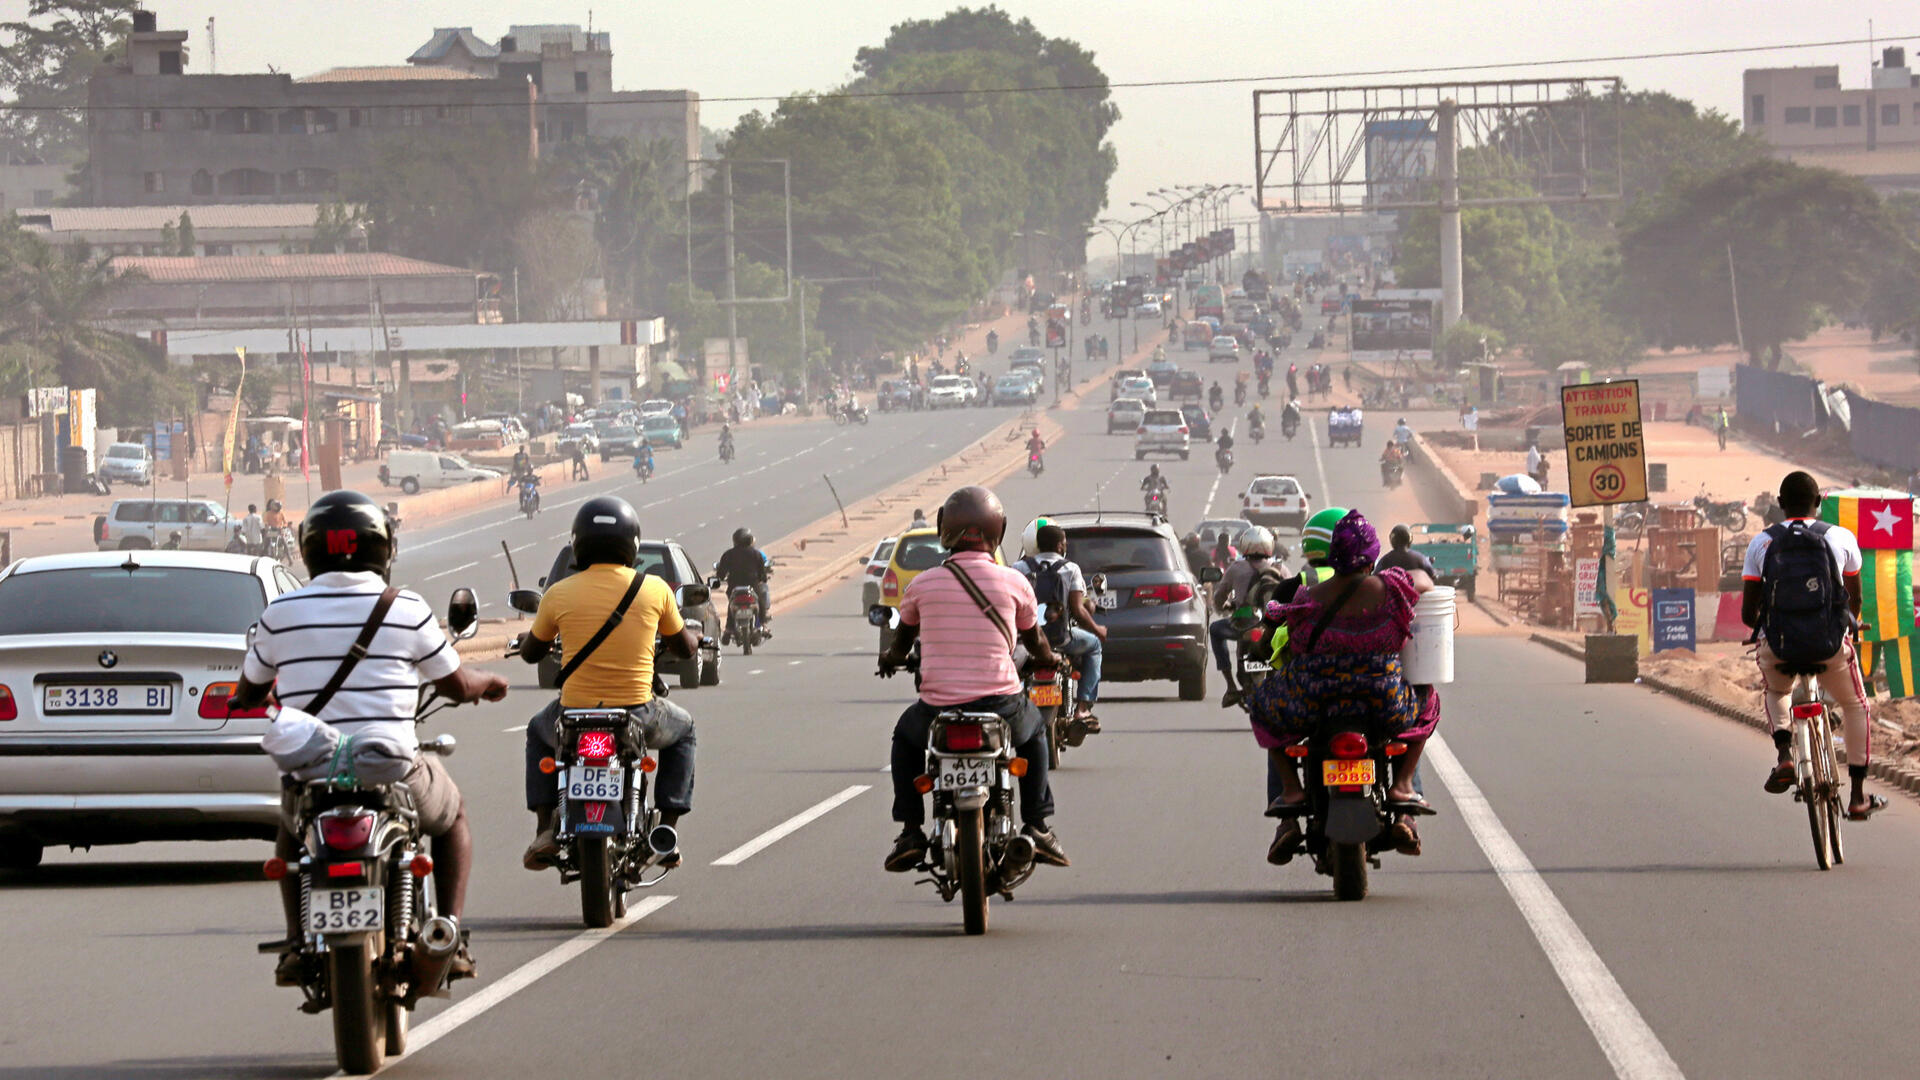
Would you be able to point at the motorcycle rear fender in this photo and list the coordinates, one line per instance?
(1351, 818)
(973, 798)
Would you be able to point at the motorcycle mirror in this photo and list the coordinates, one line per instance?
(463, 614)
(1209, 575)
(526, 601)
(443, 745)
(693, 595)
(879, 615)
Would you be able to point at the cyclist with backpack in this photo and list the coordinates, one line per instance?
(1061, 591)
(1801, 594)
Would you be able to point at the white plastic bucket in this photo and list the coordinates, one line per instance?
(1427, 657)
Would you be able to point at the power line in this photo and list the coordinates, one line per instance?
(1067, 88)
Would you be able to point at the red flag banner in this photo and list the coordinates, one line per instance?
(306, 414)
(1882, 520)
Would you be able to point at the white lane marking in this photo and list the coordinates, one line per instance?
(1632, 1048)
(758, 671)
(787, 828)
(1319, 465)
(447, 1022)
(795, 663)
(511, 730)
(1207, 510)
(452, 570)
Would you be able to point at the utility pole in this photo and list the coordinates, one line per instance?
(733, 285)
(1733, 283)
(1447, 170)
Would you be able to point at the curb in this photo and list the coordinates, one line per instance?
(1903, 777)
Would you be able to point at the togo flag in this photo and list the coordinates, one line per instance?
(1901, 659)
(1886, 594)
(1880, 518)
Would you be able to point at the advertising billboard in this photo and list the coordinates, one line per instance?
(1400, 161)
(1388, 330)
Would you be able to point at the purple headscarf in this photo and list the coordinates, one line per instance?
(1354, 545)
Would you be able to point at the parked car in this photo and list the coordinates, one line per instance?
(662, 430)
(1187, 386)
(1150, 604)
(127, 463)
(414, 470)
(951, 392)
(1199, 424)
(872, 568)
(133, 524)
(655, 407)
(1141, 388)
(1224, 347)
(582, 433)
(622, 439)
(1026, 355)
(1276, 500)
(114, 681)
(1162, 431)
(1124, 415)
(667, 560)
(893, 395)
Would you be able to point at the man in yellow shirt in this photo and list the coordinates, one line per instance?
(618, 672)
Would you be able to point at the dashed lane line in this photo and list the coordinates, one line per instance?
(788, 827)
(452, 570)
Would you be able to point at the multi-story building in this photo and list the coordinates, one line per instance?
(1805, 115)
(218, 229)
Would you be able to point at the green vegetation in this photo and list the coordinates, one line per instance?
(45, 60)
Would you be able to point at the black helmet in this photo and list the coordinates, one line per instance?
(743, 537)
(345, 530)
(606, 530)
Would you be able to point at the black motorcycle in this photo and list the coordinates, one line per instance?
(1730, 515)
(1289, 426)
(1347, 770)
(1391, 474)
(1223, 457)
(609, 831)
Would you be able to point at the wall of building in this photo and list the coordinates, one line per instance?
(1806, 108)
(25, 186)
(187, 305)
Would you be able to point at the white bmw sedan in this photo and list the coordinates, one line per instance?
(115, 668)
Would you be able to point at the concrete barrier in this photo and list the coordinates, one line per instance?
(1459, 501)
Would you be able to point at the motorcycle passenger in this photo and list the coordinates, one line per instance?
(304, 637)
(1345, 633)
(1225, 444)
(1036, 446)
(1391, 460)
(619, 673)
(966, 661)
(745, 565)
(1256, 423)
(1064, 589)
(1402, 434)
(1800, 501)
(1256, 553)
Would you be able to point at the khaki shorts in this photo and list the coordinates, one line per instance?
(435, 797)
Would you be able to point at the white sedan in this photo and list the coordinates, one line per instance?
(1149, 310)
(951, 391)
(115, 670)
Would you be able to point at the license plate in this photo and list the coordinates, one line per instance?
(108, 698)
(335, 911)
(596, 783)
(1107, 601)
(1255, 665)
(1047, 694)
(1347, 773)
(965, 773)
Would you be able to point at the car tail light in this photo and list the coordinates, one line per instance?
(965, 737)
(1808, 711)
(1149, 595)
(595, 745)
(1183, 429)
(8, 710)
(1348, 745)
(346, 832)
(1141, 430)
(214, 704)
(1179, 592)
(890, 584)
(99, 529)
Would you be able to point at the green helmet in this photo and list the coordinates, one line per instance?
(1316, 540)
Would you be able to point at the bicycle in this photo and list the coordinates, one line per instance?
(1816, 772)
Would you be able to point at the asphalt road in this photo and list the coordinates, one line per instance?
(1606, 891)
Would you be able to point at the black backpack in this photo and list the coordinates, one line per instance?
(1050, 590)
(1806, 618)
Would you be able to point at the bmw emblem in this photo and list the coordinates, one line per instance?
(108, 658)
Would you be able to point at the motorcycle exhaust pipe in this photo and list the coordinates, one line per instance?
(433, 954)
(664, 841)
(1019, 855)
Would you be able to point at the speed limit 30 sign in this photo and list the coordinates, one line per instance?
(1606, 446)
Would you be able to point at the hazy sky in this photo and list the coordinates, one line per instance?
(736, 48)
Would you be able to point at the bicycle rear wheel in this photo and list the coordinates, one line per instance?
(1836, 810)
(1812, 792)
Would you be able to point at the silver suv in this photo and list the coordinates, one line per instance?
(1162, 431)
(127, 463)
(203, 524)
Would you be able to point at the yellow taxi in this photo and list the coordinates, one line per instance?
(918, 550)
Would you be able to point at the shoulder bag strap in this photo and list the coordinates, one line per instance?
(613, 619)
(986, 606)
(1333, 609)
(354, 655)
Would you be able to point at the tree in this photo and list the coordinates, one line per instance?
(455, 196)
(1470, 342)
(637, 190)
(186, 237)
(45, 61)
(1509, 255)
(1800, 242)
(337, 227)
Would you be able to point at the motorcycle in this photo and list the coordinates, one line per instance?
(993, 342)
(1215, 401)
(975, 848)
(850, 414)
(1391, 473)
(1051, 690)
(373, 941)
(1257, 432)
(1239, 393)
(1156, 503)
(1730, 515)
(279, 546)
(743, 618)
(529, 495)
(609, 830)
(1289, 426)
(726, 451)
(643, 468)
(1266, 386)
(1223, 457)
(1347, 768)
(1252, 659)
(1035, 466)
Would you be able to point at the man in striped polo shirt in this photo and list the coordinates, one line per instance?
(966, 661)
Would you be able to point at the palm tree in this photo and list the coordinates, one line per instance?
(51, 299)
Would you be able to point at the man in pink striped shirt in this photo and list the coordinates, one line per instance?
(966, 660)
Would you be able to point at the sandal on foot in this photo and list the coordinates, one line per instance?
(1406, 839)
(1414, 807)
(1875, 804)
(1287, 841)
(1280, 808)
(1781, 779)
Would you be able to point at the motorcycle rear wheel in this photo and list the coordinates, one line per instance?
(596, 881)
(972, 845)
(1349, 870)
(359, 1017)
(1054, 737)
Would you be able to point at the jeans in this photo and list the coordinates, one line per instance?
(667, 728)
(1084, 649)
(1220, 632)
(1030, 741)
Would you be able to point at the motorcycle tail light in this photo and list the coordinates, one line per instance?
(346, 869)
(1348, 745)
(214, 704)
(1256, 634)
(1395, 749)
(923, 784)
(595, 745)
(1018, 766)
(648, 764)
(1808, 711)
(346, 832)
(1044, 675)
(1297, 750)
(420, 866)
(8, 710)
(965, 737)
